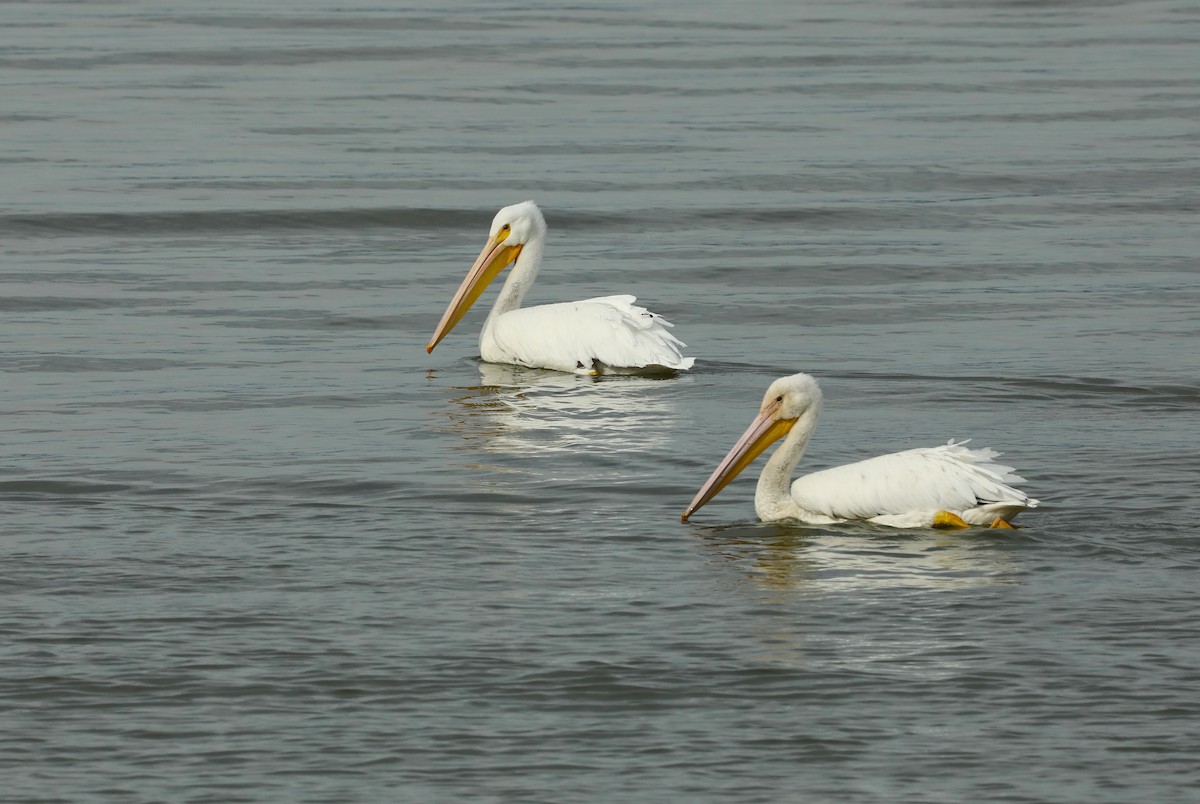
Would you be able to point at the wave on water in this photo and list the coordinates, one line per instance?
(233, 221)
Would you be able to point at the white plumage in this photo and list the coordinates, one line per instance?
(594, 336)
(605, 334)
(907, 488)
(945, 485)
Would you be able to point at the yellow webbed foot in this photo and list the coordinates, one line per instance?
(1003, 523)
(945, 519)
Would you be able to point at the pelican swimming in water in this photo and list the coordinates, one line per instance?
(946, 486)
(594, 336)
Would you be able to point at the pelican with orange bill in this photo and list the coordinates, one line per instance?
(945, 486)
(605, 335)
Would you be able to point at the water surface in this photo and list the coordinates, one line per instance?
(260, 547)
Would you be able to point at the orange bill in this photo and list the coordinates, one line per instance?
(764, 431)
(494, 258)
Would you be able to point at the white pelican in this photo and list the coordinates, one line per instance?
(946, 486)
(593, 336)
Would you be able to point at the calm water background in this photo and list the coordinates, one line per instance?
(259, 546)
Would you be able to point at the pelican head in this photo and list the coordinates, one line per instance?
(783, 404)
(524, 222)
(512, 228)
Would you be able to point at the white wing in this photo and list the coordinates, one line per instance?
(950, 477)
(576, 336)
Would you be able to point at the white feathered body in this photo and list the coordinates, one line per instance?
(906, 489)
(609, 334)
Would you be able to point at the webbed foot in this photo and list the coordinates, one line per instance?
(945, 519)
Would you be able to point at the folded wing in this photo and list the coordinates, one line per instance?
(949, 477)
(610, 332)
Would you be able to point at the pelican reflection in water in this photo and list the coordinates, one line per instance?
(816, 560)
(517, 410)
(846, 572)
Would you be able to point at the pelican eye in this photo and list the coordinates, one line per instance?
(779, 398)
(505, 228)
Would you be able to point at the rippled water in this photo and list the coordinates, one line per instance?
(260, 546)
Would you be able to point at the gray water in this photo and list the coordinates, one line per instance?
(258, 546)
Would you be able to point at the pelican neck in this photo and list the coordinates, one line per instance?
(773, 494)
(520, 277)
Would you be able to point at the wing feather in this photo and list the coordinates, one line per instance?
(948, 477)
(573, 336)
